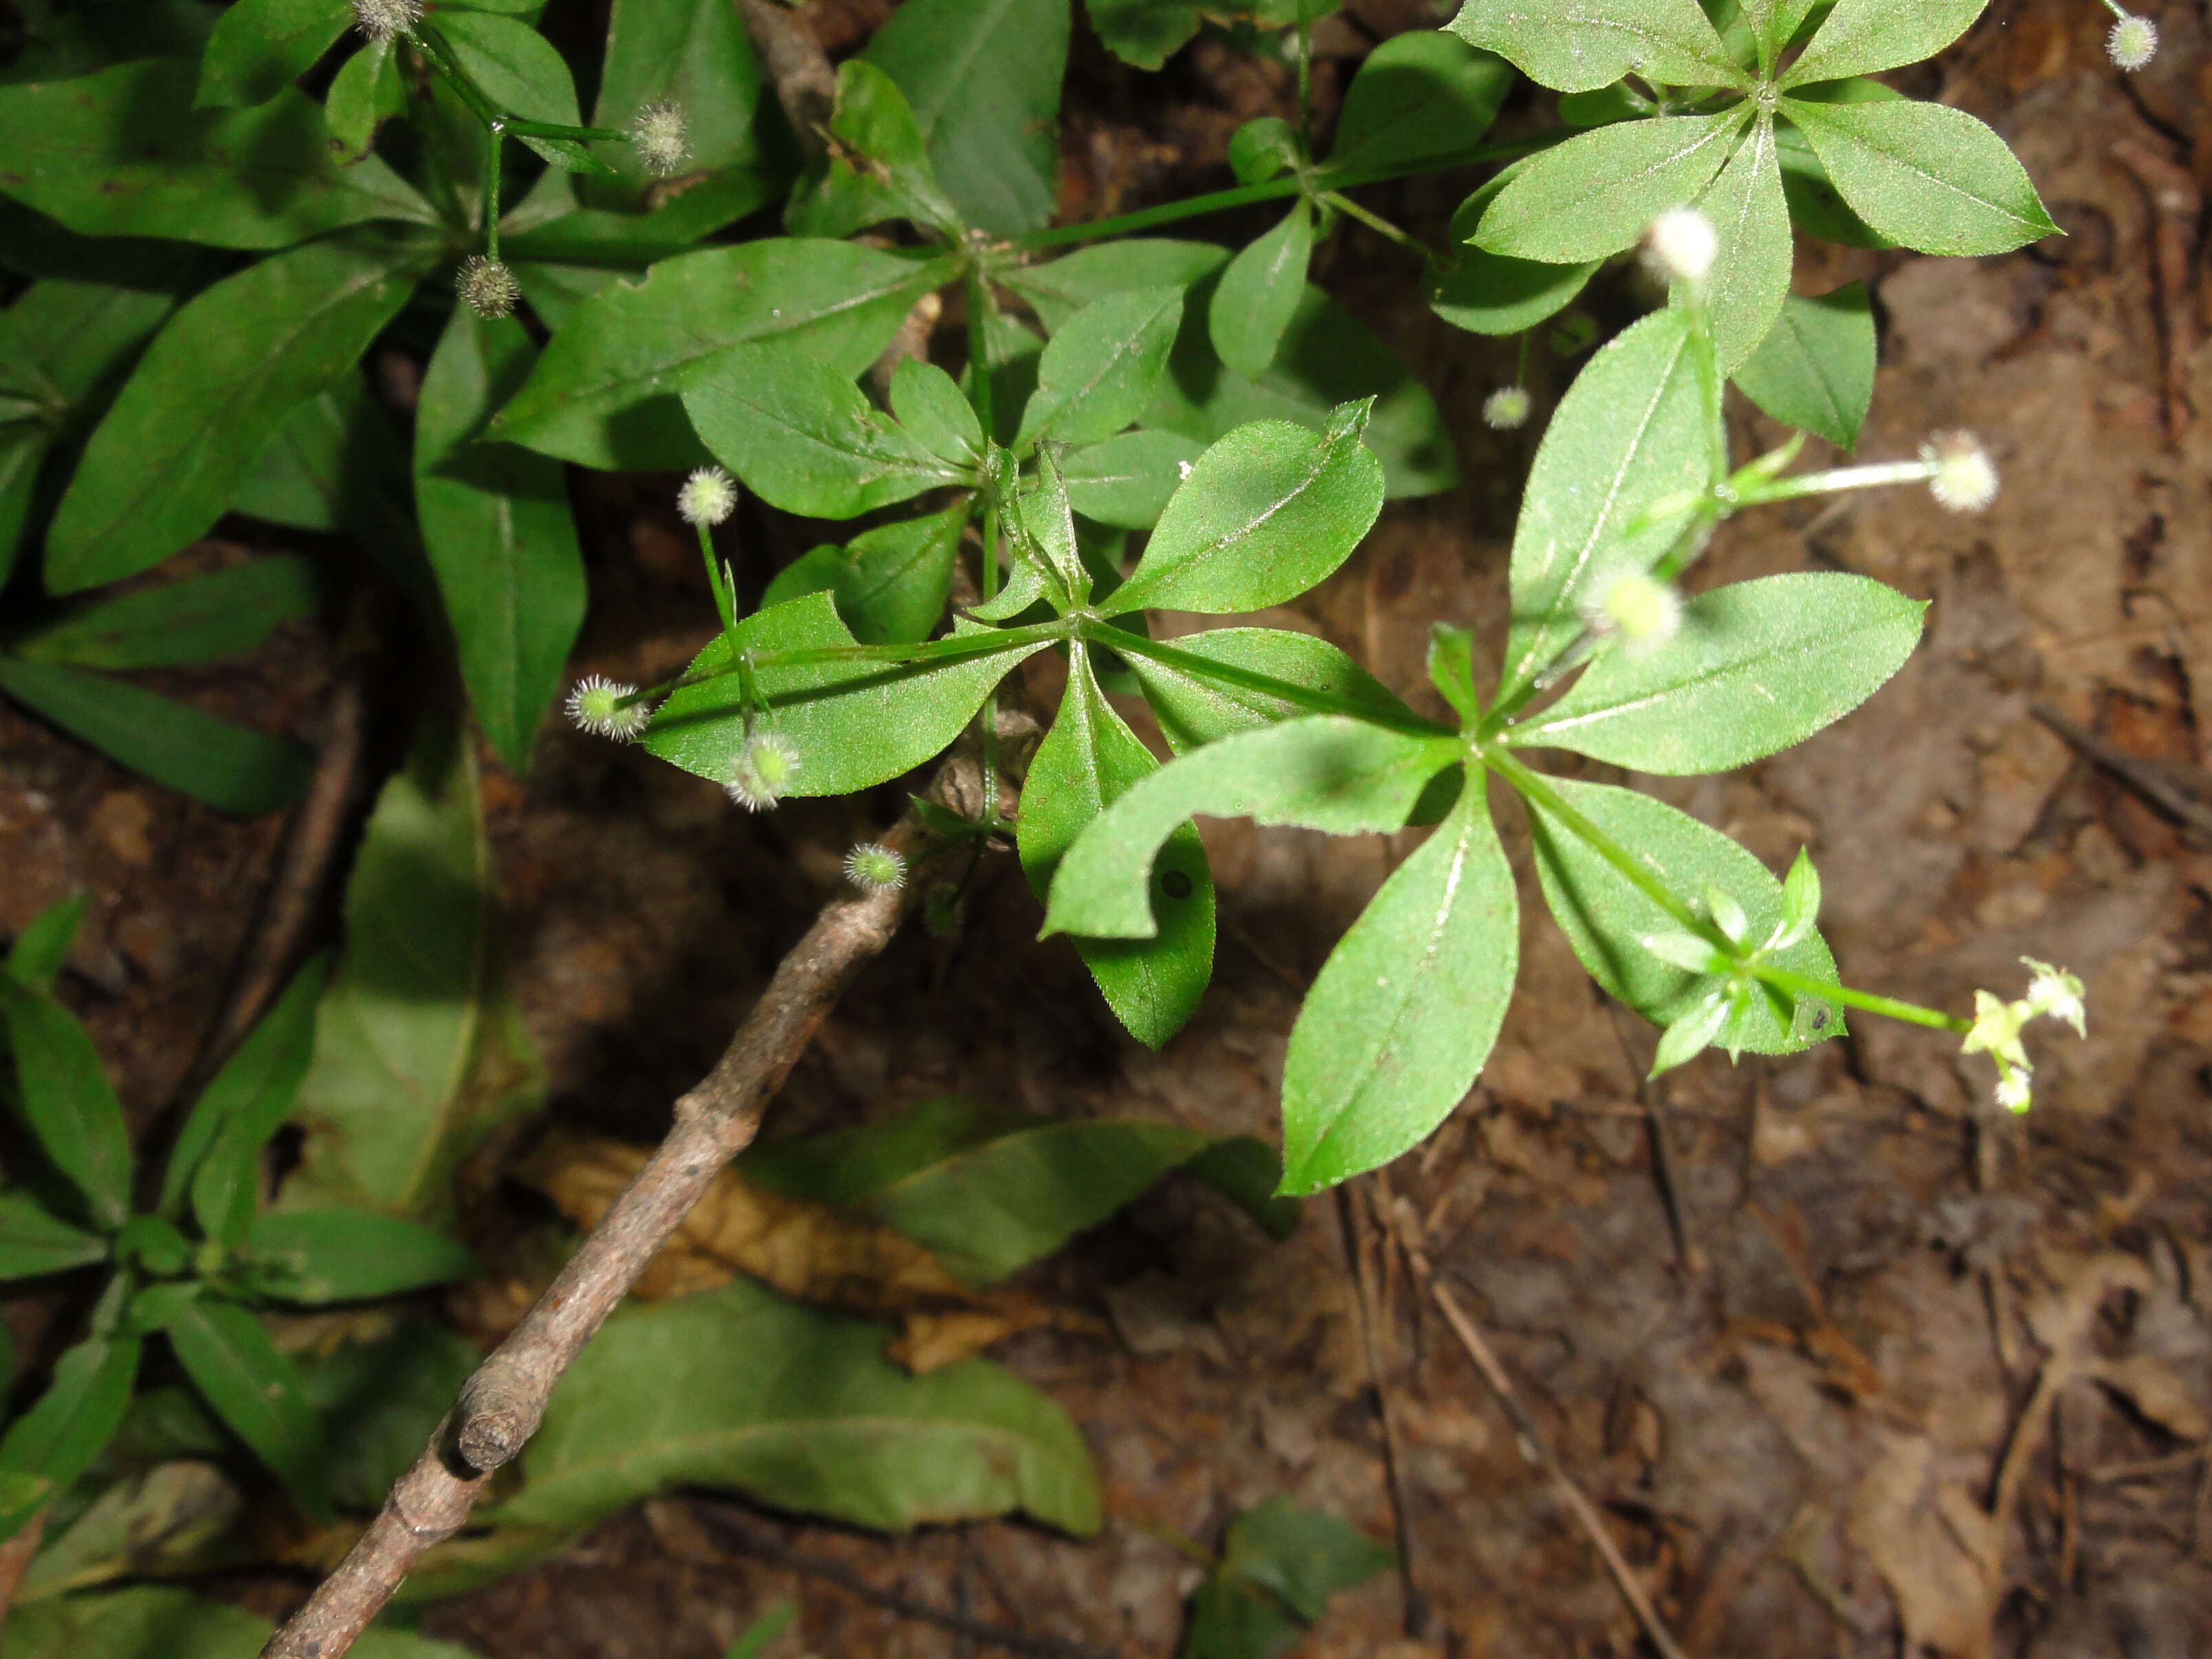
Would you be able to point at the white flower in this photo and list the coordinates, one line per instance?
(709, 496)
(2053, 993)
(1682, 245)
(761, 775)
(2133, 42)
(1644, 611)
(874, 868)
(598, 705)
(380, 20)
(1507, 409)
(488, 286)
(1965, 478)
(659, 133)
(2056, 994)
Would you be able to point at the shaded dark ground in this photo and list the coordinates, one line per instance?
(1796, 1428)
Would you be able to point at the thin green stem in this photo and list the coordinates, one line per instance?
(1273, 189)
(1710, 382)
(1842, 477)
(491, 193)
(986, 578)
(718, 579)
(1797, 985)
(1532, 788)
(1305, 84)
(1381, 227)
(439, 50)
(1121, 641)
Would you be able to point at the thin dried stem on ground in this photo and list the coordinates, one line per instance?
(1358, 1256)
(501, 1404)
(1534, 1443)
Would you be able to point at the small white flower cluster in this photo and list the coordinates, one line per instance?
(487, 286)
(874, 868)
(1643, 611)
(2053, 993)
(709, 496)
(604, 708)
(662, 136)
(1965, 479)
(1682, 246)
(2133, 42)
(1507, 409)
(381, 20)
(762, 774)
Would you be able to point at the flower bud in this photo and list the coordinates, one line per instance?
(1506, 410)
(599, 705)
(761, 774)
(381, 20)
(2133, 42)
(707, 496)
(1644, 611)
(1965, 478)
(1682, 246)
(488, 287)
(874, 868)
(662, 135)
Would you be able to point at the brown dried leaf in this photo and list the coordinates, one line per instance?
(1935, 1547)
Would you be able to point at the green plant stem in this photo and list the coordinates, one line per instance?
(717, 583)
(1381, 227)
(1842, 477)
(1274, 189)
(987, 577)
(1125, 643)
(491, 193)
(1709, 383)
(439, 50)
(1912, 1012)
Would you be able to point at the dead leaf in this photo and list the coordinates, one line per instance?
(809, 1252)
(1934, 1547)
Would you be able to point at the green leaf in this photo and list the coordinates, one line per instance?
(22, 453)
(1420, 94)
(803, 437)
(1489, 292)
(211, 390)
(1864, 37)
(1816, 206)
(1260, 292)
(877, 168)
(1801, 900)
(1300, 1556)
(1261, 148)
(379, 1399)
(369, 89)
(1058, 290)
(892, 581)
(983, 76)
(1756, 667)
(232, 767)
(604, 393)
(1579, 46)
(1605, 919)
(1628, 433)
(259, 47)
(1265, 514)
(1101, 367)
(418, 1052)
(674, 1394)
(36, 957)
(1154, 979)
(695, 54)
(1145, 32)
(928, 402)
(1926, 175)
(123, 153)
(204, 618)
(156, 1520)
(337, 464)
(33, 1244)
(1405, 1008)
(78, 339)
(66, 1428)
(854, 724)
(217, 1157)
(1194, 709)
(985, 1189)
(523, 74)
(315, 1256)
(1598, 192)
(253, 1387)
(1750, 278)
(63, 1095)
(1127, 481)
(1320, 772)
(498, 533)
(1815, 370)
(158, 1622)
(1040, 529)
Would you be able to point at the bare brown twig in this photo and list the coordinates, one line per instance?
(1534, 1441)
(1359, 1258)
(805, 85)
(502, 1404)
